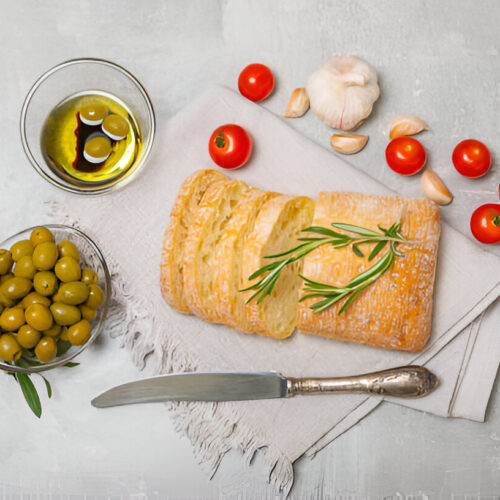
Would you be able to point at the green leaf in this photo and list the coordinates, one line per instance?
(350, 299)
(324, 231)
(70, 364)
(381, 265)
(30, 393)
(63, 347)
(357, 251)
(47, 385)
(376, 250)
(362, 231)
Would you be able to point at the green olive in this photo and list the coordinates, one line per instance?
(5, 261)
(25, 268)
(45, 283)
(64, 333)
(53, 331)
(28, 337)
(67, 269)
(12, 319)
(10, 350)
(40, 235)
(16, 287)
(20, 249)
(87, 312)
(89, 276)
(73, 293)
(68, 249)
(45, 255)
(6, 277)
(38, 316)
(79, 333)
(35, 298)
(5, 301)
(65, 314)
(46, 349)
(96, 297)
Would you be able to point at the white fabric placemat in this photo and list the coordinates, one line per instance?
(128, 226)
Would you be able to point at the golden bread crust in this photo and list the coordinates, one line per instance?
(394, 312)
(190, 194)
(211, 216)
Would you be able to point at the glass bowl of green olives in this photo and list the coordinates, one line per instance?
(55, 289)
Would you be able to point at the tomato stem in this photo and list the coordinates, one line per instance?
(496, 220)
(220, 142)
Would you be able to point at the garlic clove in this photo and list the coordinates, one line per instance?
(342, 91)
(434, 188)
(298, 104)
(348, 144)
(405, 125)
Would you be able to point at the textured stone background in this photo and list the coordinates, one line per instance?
(437, 60)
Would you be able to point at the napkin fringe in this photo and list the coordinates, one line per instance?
(212, 428)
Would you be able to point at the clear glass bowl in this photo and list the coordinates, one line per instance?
(69, 78)
(90, 256)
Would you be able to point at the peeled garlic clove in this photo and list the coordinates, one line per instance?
(342, 91)
(348, 144)
(405, 125)
(434, 188)
(298, 104)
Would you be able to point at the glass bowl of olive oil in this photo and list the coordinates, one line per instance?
(87, 126)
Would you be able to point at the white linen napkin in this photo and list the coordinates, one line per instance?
(128, 226)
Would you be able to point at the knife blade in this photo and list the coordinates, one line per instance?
(405, 381)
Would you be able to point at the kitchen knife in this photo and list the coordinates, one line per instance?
(404, 381)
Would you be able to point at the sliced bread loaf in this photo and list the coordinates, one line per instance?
(228, 277)
(276, 230)
(190, 194)
(208, 224)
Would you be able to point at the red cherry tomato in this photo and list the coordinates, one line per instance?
(230, 146)
(471, 158)
(256, 82)
(405, 155)
(485, 223)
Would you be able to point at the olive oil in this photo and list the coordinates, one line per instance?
(64, 136)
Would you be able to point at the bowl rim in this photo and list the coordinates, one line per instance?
(5, 366)
(101, 189)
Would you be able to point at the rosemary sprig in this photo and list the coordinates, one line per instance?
(355, 236)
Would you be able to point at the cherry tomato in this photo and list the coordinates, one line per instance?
(230, 146)
(471, 158)
(485, 223)
(405, 155)
(256, 82)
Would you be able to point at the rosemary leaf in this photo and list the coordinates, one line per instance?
(362, 231)
(377, 249)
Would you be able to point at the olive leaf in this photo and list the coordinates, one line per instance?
(30, 393)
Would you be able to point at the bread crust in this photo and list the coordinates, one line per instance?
(394, 312)
(269, 226)
(228, 278)
(189, 196)
(209, 220)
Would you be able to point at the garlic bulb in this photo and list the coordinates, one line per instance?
(342, 91)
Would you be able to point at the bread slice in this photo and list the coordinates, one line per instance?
(276, 229)
(190, 194)
(395, 311)
(228, 278)
(208, 224)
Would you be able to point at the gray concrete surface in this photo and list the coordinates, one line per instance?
(437, 60)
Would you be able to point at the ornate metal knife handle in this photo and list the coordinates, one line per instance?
(403, 382)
